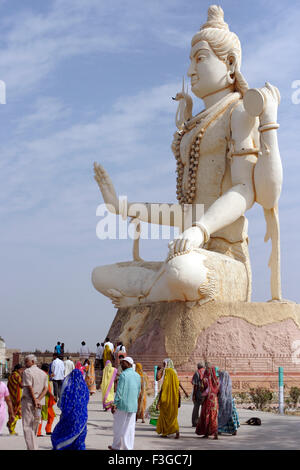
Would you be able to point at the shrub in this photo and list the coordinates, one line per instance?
(243, 396)
(260, 397)
(288, 402)
(294, 395)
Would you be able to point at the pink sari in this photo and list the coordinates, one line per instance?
(80, 367)
(4, 393)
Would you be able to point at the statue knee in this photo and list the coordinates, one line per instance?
(186, 272)
(96, 278)
(102, 278)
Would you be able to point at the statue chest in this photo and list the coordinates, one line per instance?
(208, 152)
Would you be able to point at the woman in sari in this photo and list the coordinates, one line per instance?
(153, 412)
(228, 420)
(47, 412)
(107, 354)
(5, 401)
(168, 363)
(70, 432)
(142, 401)
(14, 385)
(90, 377)
(208, 421)
(168, 403)
(107, 385)
(80, 367)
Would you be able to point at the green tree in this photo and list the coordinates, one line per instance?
(260, 397)
(294, 395)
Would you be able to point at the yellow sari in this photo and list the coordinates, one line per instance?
(167, 422)
(107, 355)
(107, 385)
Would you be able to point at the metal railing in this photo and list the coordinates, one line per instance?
(236, 364)
(233, 363)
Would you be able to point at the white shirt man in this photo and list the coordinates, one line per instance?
(69, 366)
(58, 369)
(84, 351)
(120, 348)
(57, 375)
(111, 346)
(99, 352)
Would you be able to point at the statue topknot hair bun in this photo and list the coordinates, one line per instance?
(215, 18)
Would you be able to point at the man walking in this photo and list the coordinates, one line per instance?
(69, 366)
(84, 351)
(111, 346)
(35, 387)
(57, 375)
(198, 388)
(99, 354)
(57, 349)
(125, 406)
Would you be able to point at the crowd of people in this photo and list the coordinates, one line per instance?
(32, 392)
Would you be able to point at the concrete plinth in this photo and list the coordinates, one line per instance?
(236, 332)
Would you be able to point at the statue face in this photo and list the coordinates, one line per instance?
(208, 73)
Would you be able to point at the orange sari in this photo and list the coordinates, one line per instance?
(90, 378)
(14, 385)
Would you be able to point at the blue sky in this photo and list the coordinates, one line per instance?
(92, 81)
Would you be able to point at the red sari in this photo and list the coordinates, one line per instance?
(208, 421)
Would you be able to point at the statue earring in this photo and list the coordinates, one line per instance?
(230, 77)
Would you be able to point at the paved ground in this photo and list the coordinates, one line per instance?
(275, 433)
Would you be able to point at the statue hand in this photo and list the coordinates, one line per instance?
(189, 239)
(107, 188)
(271, 102)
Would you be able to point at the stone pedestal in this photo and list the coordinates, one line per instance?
(237, 336)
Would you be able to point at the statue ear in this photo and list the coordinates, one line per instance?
(232, 63)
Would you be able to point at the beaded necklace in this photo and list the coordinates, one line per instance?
(204, 119)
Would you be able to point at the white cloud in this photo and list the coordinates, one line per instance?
(49, 180)
(45, 112)
(35, 43)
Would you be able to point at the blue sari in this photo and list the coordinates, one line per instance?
(225, 399)
(228, 420)
(71, 430)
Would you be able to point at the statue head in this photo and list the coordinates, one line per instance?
(215, 57)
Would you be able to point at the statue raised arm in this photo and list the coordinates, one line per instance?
(107, 188)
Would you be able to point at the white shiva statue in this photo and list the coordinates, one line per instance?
(227, 159)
